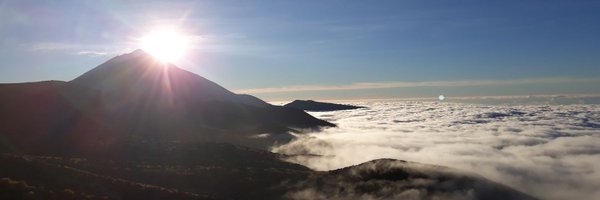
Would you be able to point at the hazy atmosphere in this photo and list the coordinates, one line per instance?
(297, 100)
(282, 50)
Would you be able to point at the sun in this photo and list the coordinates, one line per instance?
(166, 45)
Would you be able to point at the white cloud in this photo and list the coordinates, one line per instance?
(383, 85)
(80, 49)
(92, 53)
(549, 151)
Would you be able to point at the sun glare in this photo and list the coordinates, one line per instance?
(166, 45)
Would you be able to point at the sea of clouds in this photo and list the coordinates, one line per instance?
(548, 151)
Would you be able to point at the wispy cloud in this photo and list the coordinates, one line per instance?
(383, 85)
(93, 53)
(80, 49)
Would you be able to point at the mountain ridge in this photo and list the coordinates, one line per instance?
(310, 105)
(134, 95)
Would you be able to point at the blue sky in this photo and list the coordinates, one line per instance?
(324, 49)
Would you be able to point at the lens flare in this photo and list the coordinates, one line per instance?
(165, 45)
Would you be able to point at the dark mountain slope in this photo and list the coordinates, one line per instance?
(310, 105)
(396, 179)
(156, 171)
(129, 97)
(138, 75)
(220, 171)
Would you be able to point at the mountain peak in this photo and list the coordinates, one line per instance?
(137, 54)
(138, 51)
(141, 75)
(120, 69)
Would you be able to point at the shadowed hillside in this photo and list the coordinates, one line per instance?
(221, 171)
(310, 105)
(396, 179)
(135, 96)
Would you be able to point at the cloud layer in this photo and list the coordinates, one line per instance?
(549, 151)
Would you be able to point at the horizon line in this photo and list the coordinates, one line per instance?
(402, 84)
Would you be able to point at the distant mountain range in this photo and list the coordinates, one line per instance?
(135, 128)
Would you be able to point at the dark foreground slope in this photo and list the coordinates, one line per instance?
(222, 171)
(150, 171)
(310, 105)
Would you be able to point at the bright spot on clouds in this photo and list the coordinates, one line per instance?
(548, 151)
(441, 97)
